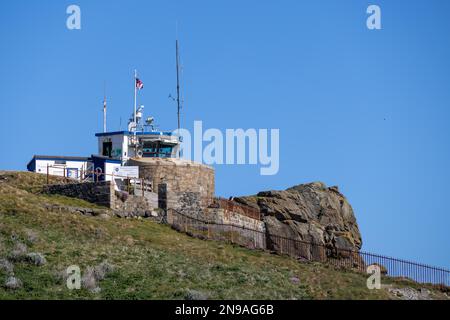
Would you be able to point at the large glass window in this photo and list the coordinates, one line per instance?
(156, 150)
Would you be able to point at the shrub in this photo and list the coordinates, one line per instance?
(36, 258)
(6, 266)
(13, 283)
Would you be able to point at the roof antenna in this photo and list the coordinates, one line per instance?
(104, 106)
(178, 76)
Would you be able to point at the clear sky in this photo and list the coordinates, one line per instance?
(367, 110)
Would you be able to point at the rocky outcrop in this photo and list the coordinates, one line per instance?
(310, 213)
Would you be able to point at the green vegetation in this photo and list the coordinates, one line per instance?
(151, 261)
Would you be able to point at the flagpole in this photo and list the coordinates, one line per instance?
(135, 96)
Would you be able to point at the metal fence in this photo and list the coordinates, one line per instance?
(302, 250)
(233, 206)
(135, 186)
(307, 251)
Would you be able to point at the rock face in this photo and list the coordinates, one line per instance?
(309, 212)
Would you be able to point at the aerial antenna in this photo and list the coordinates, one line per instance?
(135, 98)
(178, 82)
(104, 106)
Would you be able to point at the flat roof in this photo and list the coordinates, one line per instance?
(47, 157)
(106, 159)
(71, 158)
(138, 133)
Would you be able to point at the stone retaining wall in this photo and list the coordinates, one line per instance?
(222, 224)
(103, 193)
(95, 192)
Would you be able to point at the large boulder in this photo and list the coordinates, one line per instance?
(309, 213)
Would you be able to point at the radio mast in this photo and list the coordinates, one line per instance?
(178, 83)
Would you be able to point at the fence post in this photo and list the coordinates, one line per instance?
(47, 174)
(142, 186)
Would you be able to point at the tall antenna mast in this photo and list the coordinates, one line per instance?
(135, 97)
(178, 83)
(104, 107)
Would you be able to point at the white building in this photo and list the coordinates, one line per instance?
(71, 167)
(141, 140)
(124, 145)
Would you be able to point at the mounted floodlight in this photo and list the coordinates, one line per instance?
(149, 121)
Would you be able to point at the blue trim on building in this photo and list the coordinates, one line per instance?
(31, 166)
(129, 133)
(106, 159)
(62, 158)
(115, 133)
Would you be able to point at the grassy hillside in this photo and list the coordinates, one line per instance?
(146, 260)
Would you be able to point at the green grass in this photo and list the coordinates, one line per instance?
(151, 260)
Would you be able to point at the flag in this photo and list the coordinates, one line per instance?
(139, 84)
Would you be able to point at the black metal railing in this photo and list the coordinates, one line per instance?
(308, 251)
(234, 206)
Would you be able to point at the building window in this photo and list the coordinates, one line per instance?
(156, 150)
(107, 149)
(60, 161)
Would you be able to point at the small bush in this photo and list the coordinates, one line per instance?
(13, 283)
(88, 281)
(93, 275)
(102, 270)
(195, 295)
(19, 252)
(31, 235)
(36, 258)
(6, 266)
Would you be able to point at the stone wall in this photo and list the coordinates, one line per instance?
(221, 224)
(224, 216)
(103, 193)
(246, 231)
(99, 193)
(125, 205)
(178, 174)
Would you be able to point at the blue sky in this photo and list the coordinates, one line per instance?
(365, 110)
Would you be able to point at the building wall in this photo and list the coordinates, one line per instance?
(119, 145)
(109, 170)
(58, 170)
(179, 175)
